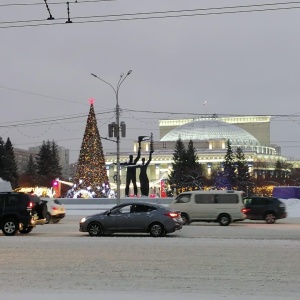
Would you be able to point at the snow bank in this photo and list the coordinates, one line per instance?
(292, 207)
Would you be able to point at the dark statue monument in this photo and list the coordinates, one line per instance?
(132, 166)
(131, 171)
(144, 181)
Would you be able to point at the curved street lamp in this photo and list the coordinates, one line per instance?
(116, 91)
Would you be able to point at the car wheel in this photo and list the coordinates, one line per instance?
(10, 227)
(270, 218)
(26, 230)
(95, 229)
(48, 218)
(224, 220)
(185, 219)
(156, 230)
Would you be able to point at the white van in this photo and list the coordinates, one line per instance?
(220, 206)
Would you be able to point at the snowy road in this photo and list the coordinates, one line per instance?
(203, 261)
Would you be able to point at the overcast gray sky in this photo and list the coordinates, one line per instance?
(236, 63)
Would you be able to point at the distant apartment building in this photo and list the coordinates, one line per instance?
(22, 158)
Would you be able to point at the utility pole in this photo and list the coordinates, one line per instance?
(114, 128)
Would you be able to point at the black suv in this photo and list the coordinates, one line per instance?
(264, 208)
(21, 212)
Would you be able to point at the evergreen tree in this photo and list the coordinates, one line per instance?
(228, 176)
(91, 171)
(243, 175)
(55, 164)
(195, 169)
(30, 172)
(179, 155)
(191, 154)
(187, 173)
(3, 161)
(279, 172)
(12, 168)
(178, 166)
(48, 167)
(44, 164)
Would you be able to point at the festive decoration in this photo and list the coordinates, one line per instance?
(91, 172)
(39, 191)
(92, 101)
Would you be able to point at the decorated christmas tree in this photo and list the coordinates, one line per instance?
(91, 177)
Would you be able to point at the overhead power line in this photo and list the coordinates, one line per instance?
(47, 120)
(37, 94)
(97, 1)
(165, 12)
(158, 14)
(72, 117)
(53, 3)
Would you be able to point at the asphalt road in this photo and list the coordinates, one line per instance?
(285, 229)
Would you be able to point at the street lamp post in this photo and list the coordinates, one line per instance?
(116, 91)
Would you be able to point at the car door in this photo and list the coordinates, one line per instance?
(257, 208)
(204, 208)
(12, 204)
(119, 219)
(141, 217)
(2, 204)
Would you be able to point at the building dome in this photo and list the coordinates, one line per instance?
(211, 130)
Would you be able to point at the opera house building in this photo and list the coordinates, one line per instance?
(209, 136)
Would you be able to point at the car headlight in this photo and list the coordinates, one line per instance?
(83, 220)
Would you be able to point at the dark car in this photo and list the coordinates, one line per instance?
(264, 208)
(20, 212)
(133, 217)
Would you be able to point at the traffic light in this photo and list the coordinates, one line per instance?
(111, 129)
(123, 129)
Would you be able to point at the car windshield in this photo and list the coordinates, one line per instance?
(183, 198)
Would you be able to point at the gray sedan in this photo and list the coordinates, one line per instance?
(138, 217)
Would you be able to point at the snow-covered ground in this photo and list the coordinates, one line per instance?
(143, 268)
(71, 295)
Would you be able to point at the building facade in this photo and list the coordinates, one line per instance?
(209, 136)
(22, 159)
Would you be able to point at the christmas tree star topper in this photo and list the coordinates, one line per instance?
(92, 100)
